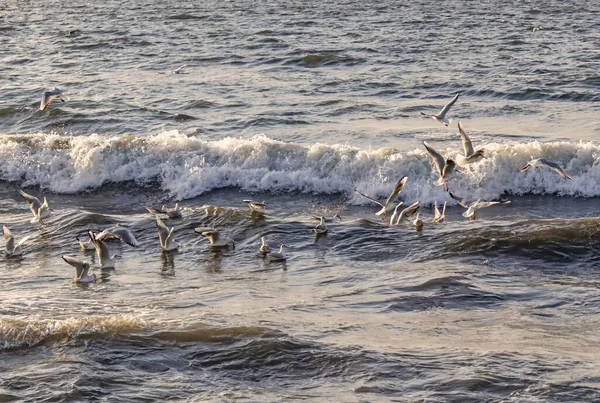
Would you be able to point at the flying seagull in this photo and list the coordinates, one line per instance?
(387, 206)
(48, 96)
(445, 167)
(474, 206)
(540, 161)
(470, 155)
(441, 115)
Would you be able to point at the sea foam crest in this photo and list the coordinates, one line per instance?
(186, 167)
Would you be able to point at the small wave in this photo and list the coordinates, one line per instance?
(186, 167)
(315, 60)
(17, 333)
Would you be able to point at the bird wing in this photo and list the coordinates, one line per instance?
(10, 240)
(556, 167)
(461, 200)
(163, 231)
(526, 167)
(101, 247)
(447, 107)
(368, 197)
(34, 202)
(76, 263)
(448, 168)
(407, 212)
(438, 160)
(466, 141)
(397, 189)
(123, 234)
(22, 240)
(436, 211)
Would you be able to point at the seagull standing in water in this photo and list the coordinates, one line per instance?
(12, 248)
(38, 209)
(441, 115)
(540, 161)
(387, 206)
(470, 155)
(48, 96)
(445, 167)
(174, 212)
(418, 223)
(474, 206)
(81, 269)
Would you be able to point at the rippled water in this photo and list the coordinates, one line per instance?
(299, 104)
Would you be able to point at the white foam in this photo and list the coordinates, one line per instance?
(187, 166)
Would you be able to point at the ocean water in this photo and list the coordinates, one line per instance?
(299, 104)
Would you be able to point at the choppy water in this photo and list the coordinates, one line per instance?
(299, 104)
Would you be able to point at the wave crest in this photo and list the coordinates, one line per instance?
(186, 167)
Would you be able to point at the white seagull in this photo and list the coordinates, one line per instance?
(387, 206)
(445, 167)
(122, 233)
(474, 206)
(540, 161)
(256, 207)
(470, 155)
(405, 213)
(105, 260)
(441, 115)
(437, 216)
(165, 236)
(81, 269)
(278, 256)
(264, 247)
(321, 228)
(48, 96)
(215, 238)
(11, 248)
(38, 209)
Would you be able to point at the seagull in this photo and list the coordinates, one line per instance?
(441, 116)
(437, 216)
(256, 207)
(387, 206)
(48, 96)
(418, 223)
(540, 161)
(445, 167)
(13, 249)
(214, 237)
(165, 236)
(321, 228)
(81, 269)
(405, 213)
(174, 212)
(474, 206)
(122, 233)
(264, 247)
(470, 155)
(105, 260)
(276, 256)
(329, 220)
(38, 209)
(180, 69)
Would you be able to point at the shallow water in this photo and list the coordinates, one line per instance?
(298, 105)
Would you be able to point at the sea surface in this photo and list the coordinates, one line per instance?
(299, 104)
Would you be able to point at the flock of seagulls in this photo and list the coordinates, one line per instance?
(446, 168)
